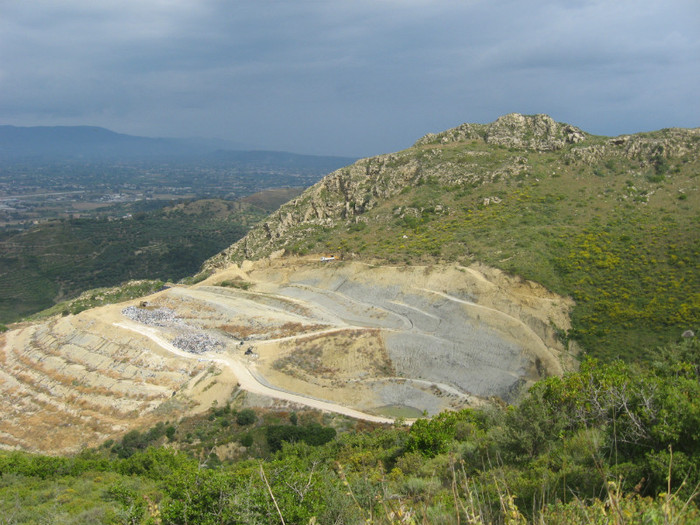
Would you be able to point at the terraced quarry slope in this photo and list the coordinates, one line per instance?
(346, 337)
(74, 381)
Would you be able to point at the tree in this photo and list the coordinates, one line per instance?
(246, 417)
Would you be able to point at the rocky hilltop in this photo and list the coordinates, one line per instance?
(459, 157)
(536, 132)
(610, 221)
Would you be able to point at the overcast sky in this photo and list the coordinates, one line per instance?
(346, 77)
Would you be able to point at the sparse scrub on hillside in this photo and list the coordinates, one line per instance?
(240, 331)
(309, 357)
(197, 278)
(309, 360)
(102, 296)
(272, 331)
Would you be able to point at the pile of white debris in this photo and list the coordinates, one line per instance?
(189, 339)
(198, 343)
(165, 317)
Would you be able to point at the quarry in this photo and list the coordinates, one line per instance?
(373, 342)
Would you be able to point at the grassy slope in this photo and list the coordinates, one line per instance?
(59, 259)
(620, 235)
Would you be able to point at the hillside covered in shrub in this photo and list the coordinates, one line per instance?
(56, 260)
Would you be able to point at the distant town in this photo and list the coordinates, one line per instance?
(32, 193)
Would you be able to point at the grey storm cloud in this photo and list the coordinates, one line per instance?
(352, 77)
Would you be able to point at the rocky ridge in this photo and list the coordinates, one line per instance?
(469, 155)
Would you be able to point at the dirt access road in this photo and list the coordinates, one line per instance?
(247, 379)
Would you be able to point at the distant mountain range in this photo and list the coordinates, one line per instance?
(89, 143)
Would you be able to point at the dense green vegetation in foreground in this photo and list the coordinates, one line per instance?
(57, 260)
(612, 443)
(619, 234)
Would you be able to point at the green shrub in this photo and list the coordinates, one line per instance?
(433, 436)
(312, 434)
(235, 283)
(246, 417)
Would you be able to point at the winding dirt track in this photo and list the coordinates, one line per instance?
(247, 379)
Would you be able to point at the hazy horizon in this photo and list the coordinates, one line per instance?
(350, 78)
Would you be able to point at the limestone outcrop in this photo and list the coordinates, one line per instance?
(530, 132)
(466, 156)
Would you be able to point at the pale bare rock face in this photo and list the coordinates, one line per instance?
(344, 337)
